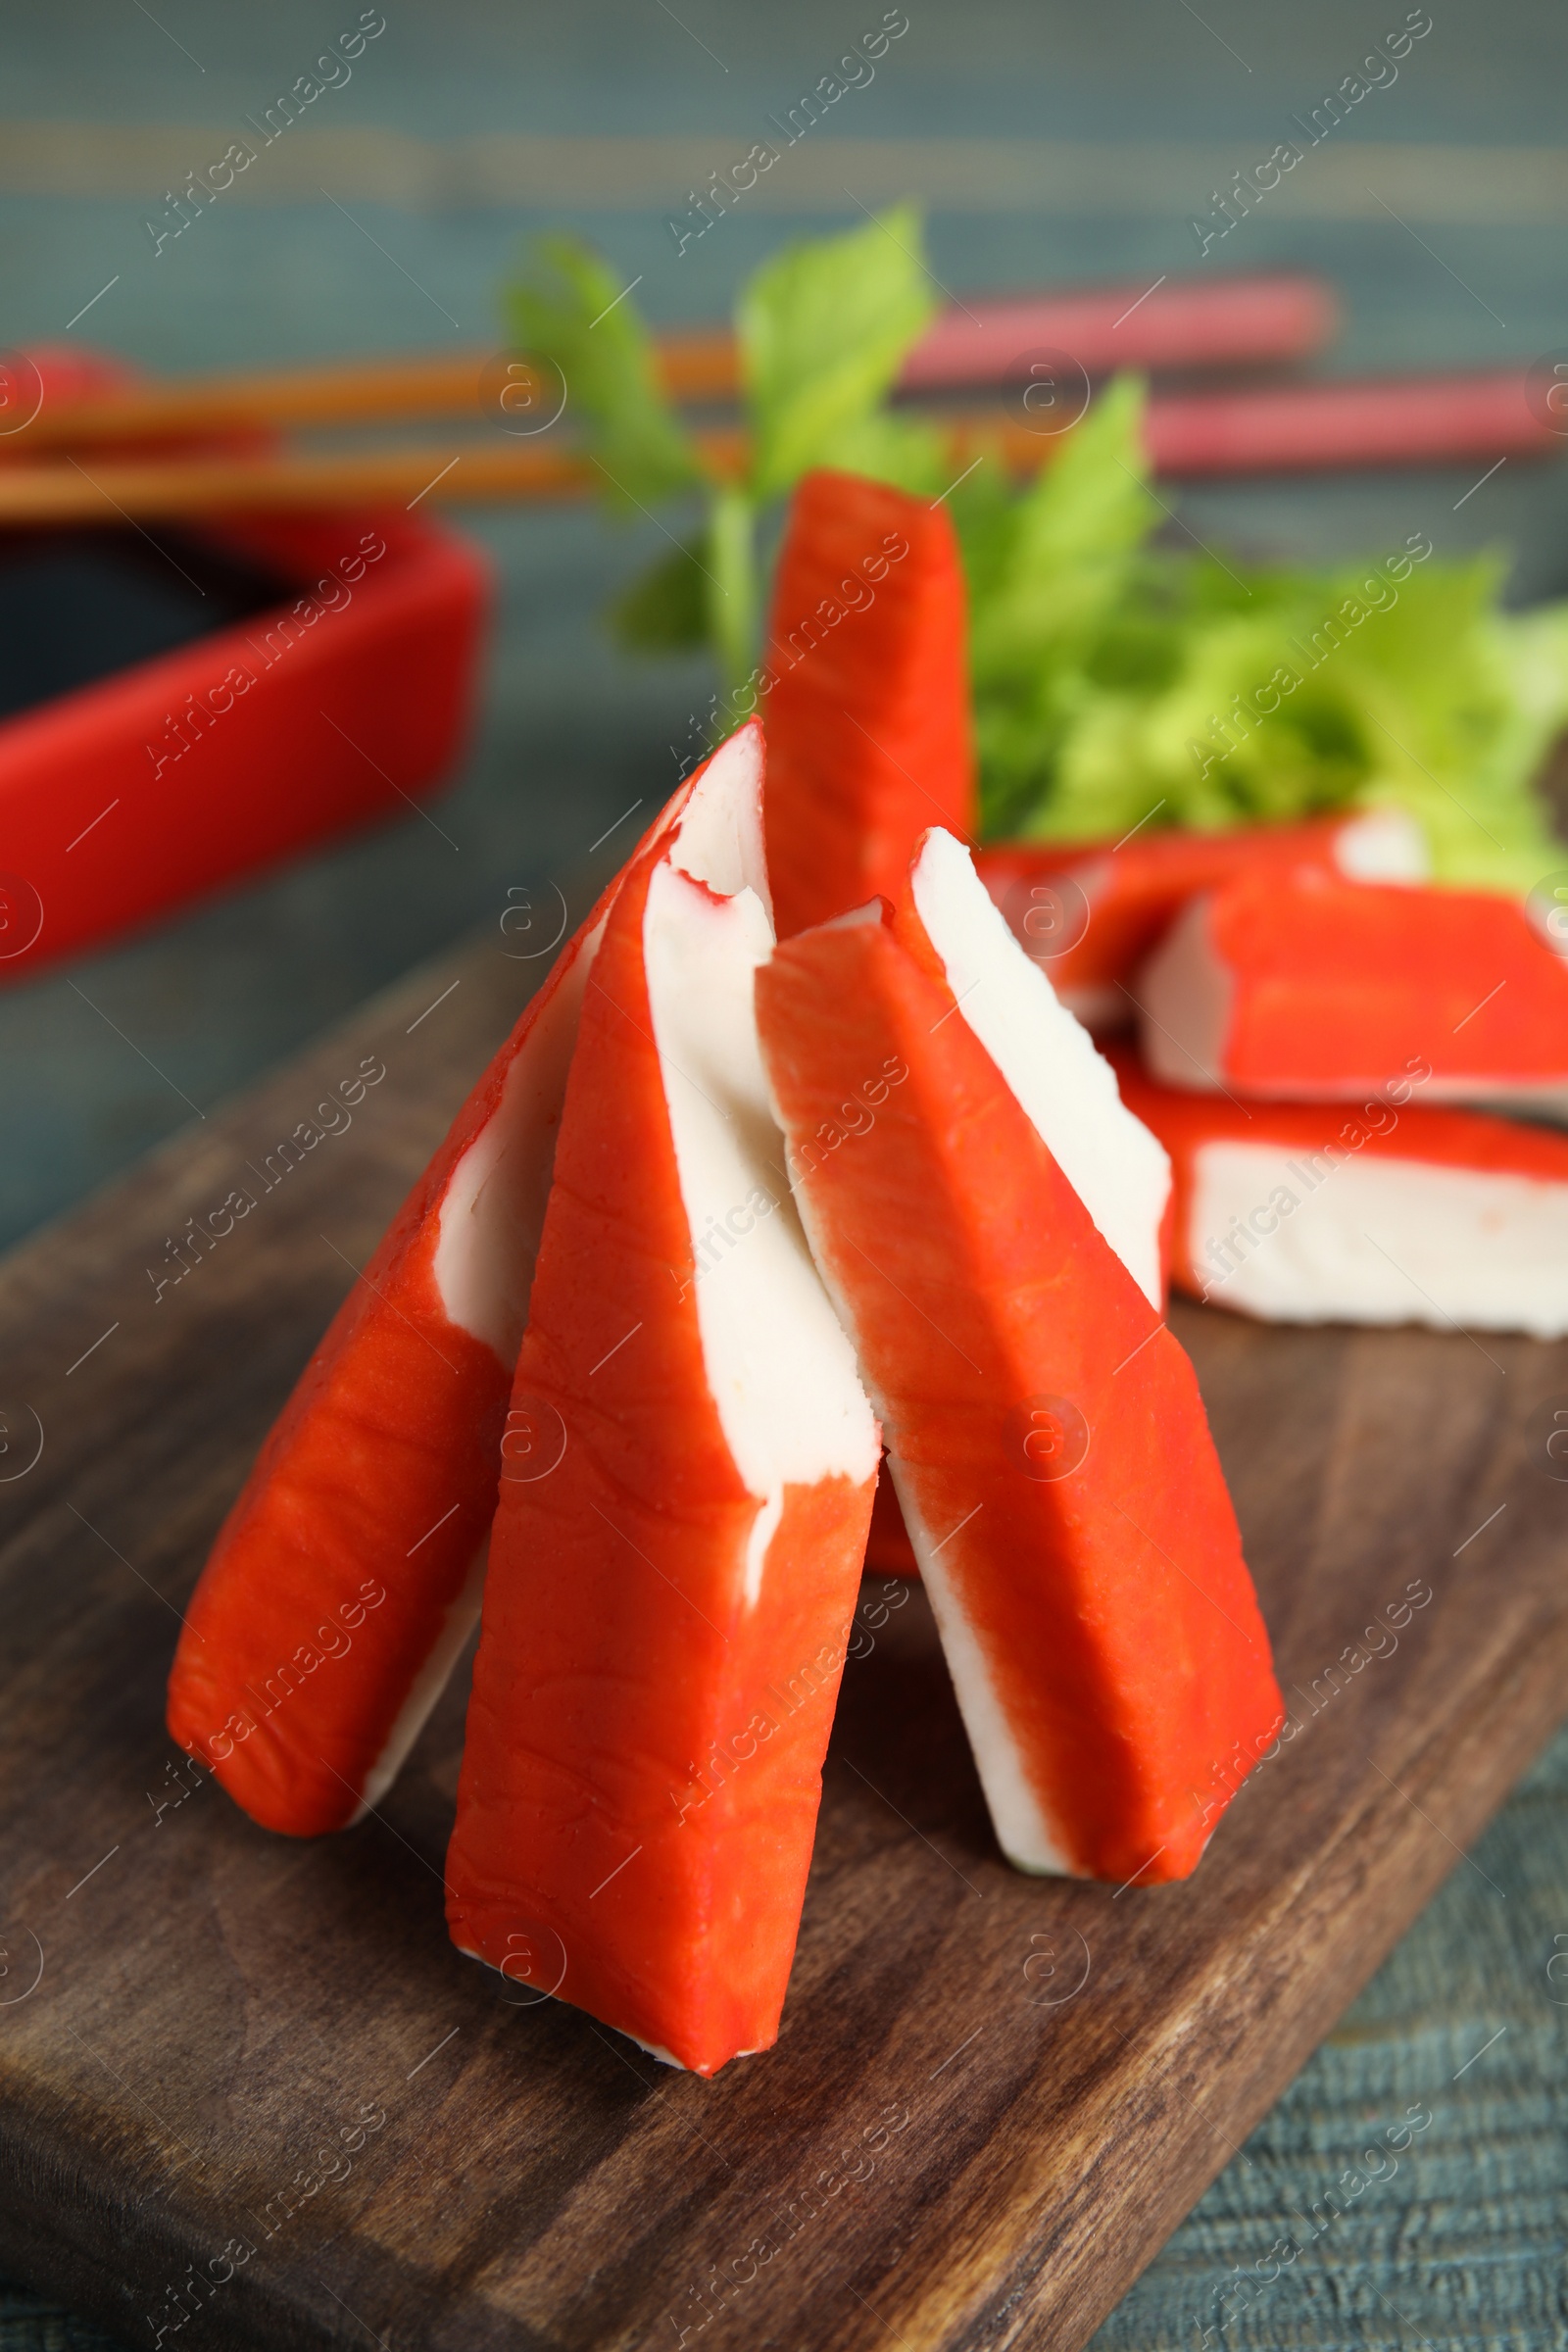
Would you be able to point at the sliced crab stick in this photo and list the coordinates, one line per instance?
(1384, 1211)
(347, 1576)
(671, 1585)
(1090, 912)
(869, 736)
(1295, 985)
(986, 1215)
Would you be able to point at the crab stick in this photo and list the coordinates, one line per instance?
(346, 1578)
(869, 734)
(1380, 1211)
(1298, 985)
(1091, 911)
(668, 1606)
(986, 1213)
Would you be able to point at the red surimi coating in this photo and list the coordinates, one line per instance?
(346, 1576)
(1090, 912)
(1396, 1127)
(869, 734)
(1301, 985)
(1045, 1431)
(657, 1671)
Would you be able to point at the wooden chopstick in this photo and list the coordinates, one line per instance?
(141, 490)
(693, 367)
(1294, 429)
(1223, 323)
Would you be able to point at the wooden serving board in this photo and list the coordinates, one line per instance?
(234, 2060)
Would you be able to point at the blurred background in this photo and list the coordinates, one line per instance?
(1050, 146)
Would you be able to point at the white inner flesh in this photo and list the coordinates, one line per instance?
(1067, 1089)
(1187, 994)
(431, 1679)
(779, 1365)
(656, 2049)
(1385, 845)
(1023, 1832)
(1379, 1241)
(493, 1210)
(720, 839)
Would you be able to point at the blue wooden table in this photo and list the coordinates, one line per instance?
(1052, 144)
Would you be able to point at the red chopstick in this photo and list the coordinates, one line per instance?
(1305, 429)
(1180, 323)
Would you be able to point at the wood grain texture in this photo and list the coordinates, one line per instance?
(993, 2097)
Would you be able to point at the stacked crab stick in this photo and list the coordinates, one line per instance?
(986, 1215)
(1381, 1212)
(1091, 911)
(869, 739)
(718, 1205)
(869, 734)
(667, 1610)
(1298, 985)
(347, 1575)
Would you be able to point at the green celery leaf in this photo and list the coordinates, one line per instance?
(1477, 706)
(1071, 549)
(567, 310)
(823, 330)
(1416, 694)
(904, 451)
